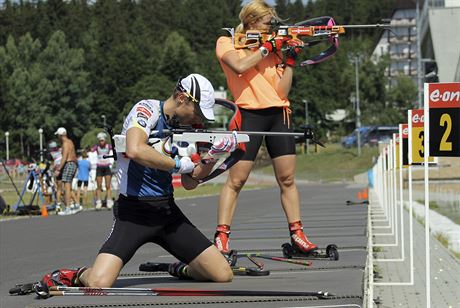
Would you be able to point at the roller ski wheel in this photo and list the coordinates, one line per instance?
(237, 270)
(330, 253)
(23, 289)
(249, 271)
(232, 257)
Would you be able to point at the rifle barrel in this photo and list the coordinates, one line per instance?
(205, 131)
(366, 26)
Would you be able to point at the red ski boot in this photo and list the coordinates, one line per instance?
(221, 238)
(60, 277)
(298, 239)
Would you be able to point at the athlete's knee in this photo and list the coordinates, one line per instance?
(98, 280)
(225, 274)
(236, 184)
(287, 180)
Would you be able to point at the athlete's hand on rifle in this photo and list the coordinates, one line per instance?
(275, 44)
(294, 47)
(183, 165)
(224, 145)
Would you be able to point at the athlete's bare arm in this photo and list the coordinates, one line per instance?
(241, 65)
(189, 181)
(138, 150)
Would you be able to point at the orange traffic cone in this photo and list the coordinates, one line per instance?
(44, 211)
(365, 194)
(360, 195)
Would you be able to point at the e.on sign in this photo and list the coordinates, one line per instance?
(443, 118)
(416, 119)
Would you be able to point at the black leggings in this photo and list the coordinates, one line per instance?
(158, 221)
(267, 120)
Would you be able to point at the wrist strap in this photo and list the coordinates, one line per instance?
(177, 167)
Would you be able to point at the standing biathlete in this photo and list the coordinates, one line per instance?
(260, 84)
(146, 211)
(103, 170)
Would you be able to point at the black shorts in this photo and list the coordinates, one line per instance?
(157, 220)
(79, 183)
(267, 120)
(103, 171)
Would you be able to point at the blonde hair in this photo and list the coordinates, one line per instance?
(253, 11)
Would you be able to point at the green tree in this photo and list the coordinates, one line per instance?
(24, 90)
(177, 58)
(69, 99)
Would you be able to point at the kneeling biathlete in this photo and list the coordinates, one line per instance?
(146, 211)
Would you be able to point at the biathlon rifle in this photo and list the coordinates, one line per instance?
(311, 32)
(188, 141)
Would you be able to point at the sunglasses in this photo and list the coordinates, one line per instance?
(181, 88)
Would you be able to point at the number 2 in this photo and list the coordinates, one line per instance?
(447, 121)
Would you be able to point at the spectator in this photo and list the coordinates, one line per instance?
(103, 170)
(84, 167)
(67, 169)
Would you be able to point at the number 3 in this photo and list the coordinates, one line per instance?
(420, 136)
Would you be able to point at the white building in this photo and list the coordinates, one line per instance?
(439, 40)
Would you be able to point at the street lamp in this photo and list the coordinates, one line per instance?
(40, 131)
(103, 120)
(7, 134)
(356, 59)
(307, 143)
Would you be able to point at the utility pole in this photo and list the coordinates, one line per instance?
(419, 56)
(7, 134)
(356, 61)
(40, 132)
(103, 120)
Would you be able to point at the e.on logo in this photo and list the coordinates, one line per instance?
(418, 119)
(405, 131)
(446, 96)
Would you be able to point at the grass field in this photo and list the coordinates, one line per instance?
(334, 163)
(11, 197)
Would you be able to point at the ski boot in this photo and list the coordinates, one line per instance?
(60, 277)
(221, 238)
(301, 247)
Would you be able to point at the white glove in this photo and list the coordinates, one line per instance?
(183, 165)
(224, 145)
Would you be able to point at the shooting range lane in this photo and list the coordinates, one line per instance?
(33, 247)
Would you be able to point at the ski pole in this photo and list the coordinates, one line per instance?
(87, 291)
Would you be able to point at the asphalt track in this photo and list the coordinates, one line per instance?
(34, 246)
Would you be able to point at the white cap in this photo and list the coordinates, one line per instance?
(101, 136)
(52, 145)
(201, 89)
(61, 131)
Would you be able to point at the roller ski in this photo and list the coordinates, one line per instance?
(301, 248)
(292, 252)
(23, 289)
(60, 277)
(233, 257)
(179, 269)
(365, 202)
